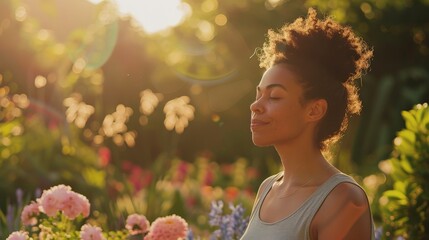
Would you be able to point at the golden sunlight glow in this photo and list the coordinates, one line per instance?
(205, 31)
(209, 5)
(221, 19)
(40, 81)
(20, 14)
(178, 113)
(77, 111)
(153, 15)
(149, 101)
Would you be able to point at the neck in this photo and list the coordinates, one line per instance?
(301, 162)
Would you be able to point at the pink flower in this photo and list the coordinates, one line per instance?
(137, 224)
(74, 205)
(18, 235)
(29, 213)
(52, 200)
(62, 198)
(85, 205)
(89, 232)
(168, 228)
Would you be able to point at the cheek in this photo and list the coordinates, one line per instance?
(291, 118)
(285, 111)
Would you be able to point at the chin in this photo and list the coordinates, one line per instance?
(260, 142)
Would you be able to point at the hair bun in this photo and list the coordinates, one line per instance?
(323, 45)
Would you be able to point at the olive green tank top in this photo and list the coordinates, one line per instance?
(296, 226)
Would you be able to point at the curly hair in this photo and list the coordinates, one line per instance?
(328, 57)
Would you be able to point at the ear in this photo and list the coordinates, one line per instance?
(316, 110)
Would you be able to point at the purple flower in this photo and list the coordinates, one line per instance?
(238, 222)
(190, 235)
(230, 226)
(215, 215)
(378, 233)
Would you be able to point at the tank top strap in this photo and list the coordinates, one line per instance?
(313, 205)
(268, 183)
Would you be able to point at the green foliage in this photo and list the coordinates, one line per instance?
(49, 156)
(383, 100)
(405, 208)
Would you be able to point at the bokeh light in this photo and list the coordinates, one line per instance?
(153, 15)
(77, 111)
(40, 81)
(178, 113)
(221, 19)
(149, 101)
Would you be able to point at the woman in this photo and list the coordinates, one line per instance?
(303, 103)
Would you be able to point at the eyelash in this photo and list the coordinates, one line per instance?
(271, 98)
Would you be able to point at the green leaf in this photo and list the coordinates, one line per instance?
(400, 186)
(95, 177)
(405, 142)
(398, 174)
(407, 135)
(418, 111)
(395, 194)
(410, 121)
(405, 164)
(424, 122)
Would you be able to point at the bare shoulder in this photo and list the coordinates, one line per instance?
(347, 193)
(345, 214)
(344, 197)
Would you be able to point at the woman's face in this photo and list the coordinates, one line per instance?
(278, 116)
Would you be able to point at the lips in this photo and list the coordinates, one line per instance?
(256, 123)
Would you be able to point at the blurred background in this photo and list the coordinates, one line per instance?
(146, 103)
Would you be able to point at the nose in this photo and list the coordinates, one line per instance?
(256, 107)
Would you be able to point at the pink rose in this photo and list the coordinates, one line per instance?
(137, 224)
(62, 198)
(74, 205)
(84, 203)
(18, 235)
(52, 200)
(168, 228)
(89, 232)
(29, 213)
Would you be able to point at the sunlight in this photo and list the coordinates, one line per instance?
(153, 15)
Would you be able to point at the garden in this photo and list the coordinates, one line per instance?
(130, 120)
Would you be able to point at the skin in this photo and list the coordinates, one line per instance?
(281, 118)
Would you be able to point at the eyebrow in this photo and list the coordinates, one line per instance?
(274, 85)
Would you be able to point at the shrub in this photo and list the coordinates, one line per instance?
(405, 208)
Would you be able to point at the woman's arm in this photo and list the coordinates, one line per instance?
(345, 214)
